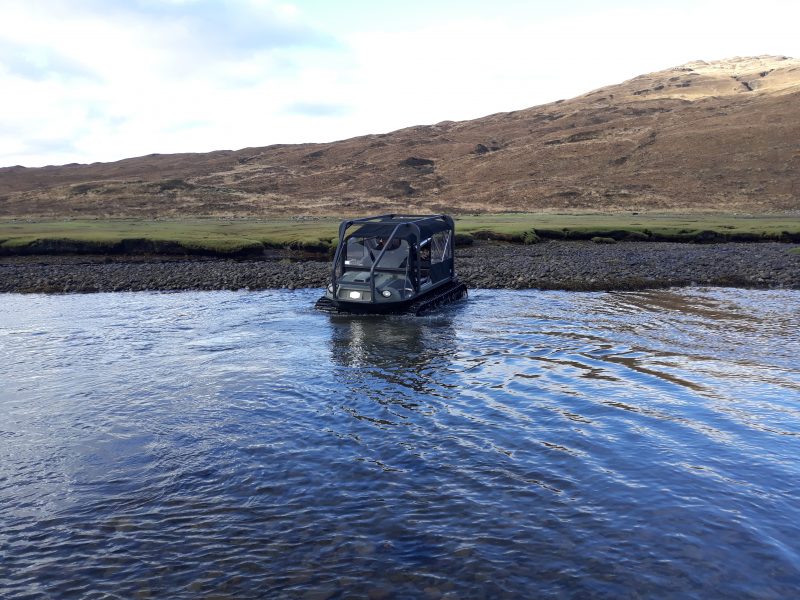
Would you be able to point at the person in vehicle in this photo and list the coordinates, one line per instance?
(425, 263)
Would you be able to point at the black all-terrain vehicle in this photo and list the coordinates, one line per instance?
(393, 264)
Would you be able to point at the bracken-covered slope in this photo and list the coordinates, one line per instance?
(720, 136)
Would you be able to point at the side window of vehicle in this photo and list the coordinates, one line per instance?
(441, 247)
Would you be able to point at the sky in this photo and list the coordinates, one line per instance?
(101, 80)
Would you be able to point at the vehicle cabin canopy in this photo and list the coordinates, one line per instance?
(366, 244)
(406, 231)
(424, 244)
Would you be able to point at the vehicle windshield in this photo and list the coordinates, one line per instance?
(364, 251)
(392, 272)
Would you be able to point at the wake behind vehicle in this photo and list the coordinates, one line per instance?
(393, 263)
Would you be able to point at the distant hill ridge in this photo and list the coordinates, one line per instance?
(720, 136)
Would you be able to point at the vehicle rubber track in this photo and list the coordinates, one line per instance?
(327, 305)
(452, 292)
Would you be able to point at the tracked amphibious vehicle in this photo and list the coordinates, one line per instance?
(393, 264)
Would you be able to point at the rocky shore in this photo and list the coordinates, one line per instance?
(550, 265)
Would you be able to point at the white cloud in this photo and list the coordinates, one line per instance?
(90, 83)
(469, 68)
(91, 80)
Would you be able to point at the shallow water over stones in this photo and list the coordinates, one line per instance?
(238, 444)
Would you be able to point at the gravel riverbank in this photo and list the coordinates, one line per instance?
(550, 265)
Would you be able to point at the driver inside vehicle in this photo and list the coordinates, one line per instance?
(425, 263)
(380, 242)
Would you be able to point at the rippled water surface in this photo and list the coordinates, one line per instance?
(521, 444)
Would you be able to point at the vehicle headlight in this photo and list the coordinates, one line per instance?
(355, 295)
(386, 293)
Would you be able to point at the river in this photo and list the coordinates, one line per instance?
(519, 444)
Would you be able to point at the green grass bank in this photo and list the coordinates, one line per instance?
(247, 237)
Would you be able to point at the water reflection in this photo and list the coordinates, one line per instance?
(401, 351)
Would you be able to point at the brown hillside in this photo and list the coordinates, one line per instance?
(721, 136)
